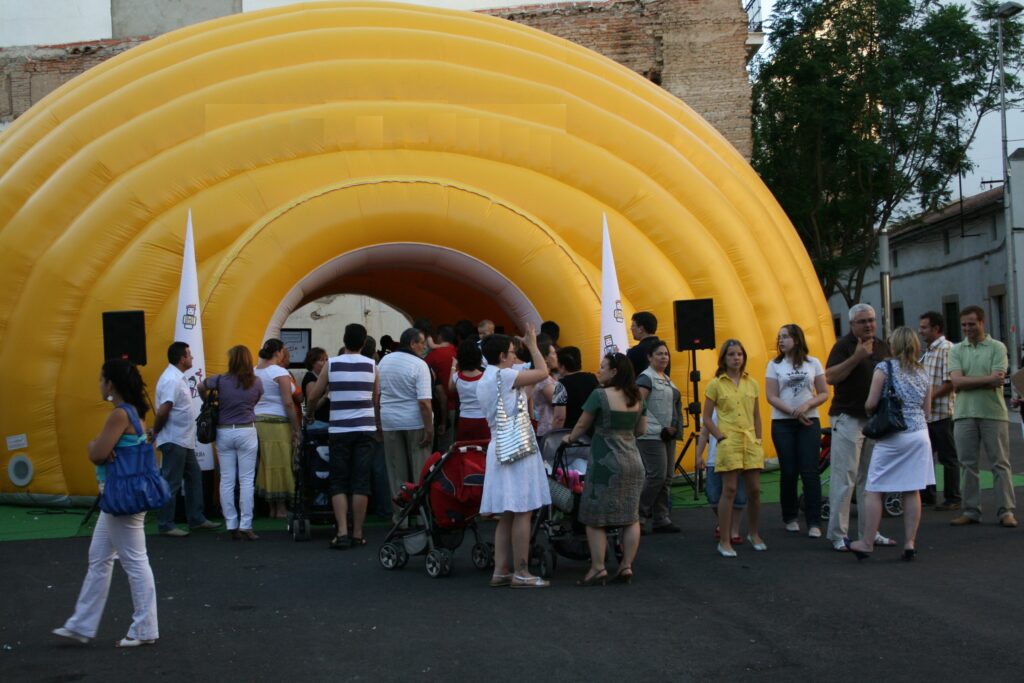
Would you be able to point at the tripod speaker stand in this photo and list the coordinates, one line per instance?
(695, 329)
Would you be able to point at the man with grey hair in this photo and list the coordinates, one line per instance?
(406, 417)
(849, 368)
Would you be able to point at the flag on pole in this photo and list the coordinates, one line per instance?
(188, 328)
(613, 319)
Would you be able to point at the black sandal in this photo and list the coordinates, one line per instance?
(341, 543)
(358, 541)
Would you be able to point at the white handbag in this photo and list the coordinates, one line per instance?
(513, 435)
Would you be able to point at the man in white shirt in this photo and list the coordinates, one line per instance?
(405, 412)
(175, 434)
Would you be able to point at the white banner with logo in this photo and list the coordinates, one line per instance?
(188, 328)
(613, 318)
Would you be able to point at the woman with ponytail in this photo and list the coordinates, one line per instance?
(119, 537)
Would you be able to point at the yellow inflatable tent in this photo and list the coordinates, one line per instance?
(446, 162)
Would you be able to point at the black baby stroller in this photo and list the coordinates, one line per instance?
(446, 501)
(311, 503)
(565, 535)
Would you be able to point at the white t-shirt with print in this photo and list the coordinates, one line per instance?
(796, 385)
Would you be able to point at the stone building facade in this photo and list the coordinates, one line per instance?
(695, 49)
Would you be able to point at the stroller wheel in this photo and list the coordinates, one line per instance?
(435, 564)
(392, 556)
(826, 509)
(301, 529)
(448, 561)
(893, 504)
(483, 557)
(548, 562)
(490, 554)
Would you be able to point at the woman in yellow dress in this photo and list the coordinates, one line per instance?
(733, 393)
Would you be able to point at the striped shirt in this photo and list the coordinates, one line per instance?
(350, 380)
(936, 364)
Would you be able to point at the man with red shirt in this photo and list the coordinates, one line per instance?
(440, 361)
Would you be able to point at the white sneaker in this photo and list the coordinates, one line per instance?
(839, 546)
(793, 526)
(814, 532)
(71, 635)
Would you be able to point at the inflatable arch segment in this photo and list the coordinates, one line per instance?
(446, 162)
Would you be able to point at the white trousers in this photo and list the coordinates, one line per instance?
(122, 538)
(236, 452)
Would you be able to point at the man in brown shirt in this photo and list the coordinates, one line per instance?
(849, 368)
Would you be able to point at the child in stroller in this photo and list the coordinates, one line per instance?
(565, 535)
(446, 501)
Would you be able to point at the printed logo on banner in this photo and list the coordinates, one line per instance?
(188, 321)
(610, 345)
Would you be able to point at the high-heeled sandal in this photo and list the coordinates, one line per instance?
(624, 575)
(598, 579)
(859, 554)
(909, 554)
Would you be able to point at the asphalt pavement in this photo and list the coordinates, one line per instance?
(275, 609)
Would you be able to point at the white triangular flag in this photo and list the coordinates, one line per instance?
(188, 328)
(613, 318)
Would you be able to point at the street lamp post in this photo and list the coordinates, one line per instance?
(1003, 12)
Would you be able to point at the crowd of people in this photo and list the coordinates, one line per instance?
(387, 410)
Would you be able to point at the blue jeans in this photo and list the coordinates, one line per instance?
(713, 489)
(176, 463)
(799, 449)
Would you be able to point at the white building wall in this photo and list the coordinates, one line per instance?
(327, 317)
(50, 22)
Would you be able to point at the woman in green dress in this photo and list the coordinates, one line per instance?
(615, 477)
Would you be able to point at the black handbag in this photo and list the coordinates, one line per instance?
(209, 415)
(888, 417)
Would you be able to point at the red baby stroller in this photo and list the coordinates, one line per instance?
(446, 501)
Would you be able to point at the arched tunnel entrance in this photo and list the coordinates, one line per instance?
(421, 280)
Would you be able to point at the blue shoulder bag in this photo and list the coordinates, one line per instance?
(133, 482)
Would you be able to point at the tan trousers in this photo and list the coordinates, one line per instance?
(404, 458)
(850, 457)
(972, 436)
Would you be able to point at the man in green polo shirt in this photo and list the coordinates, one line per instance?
(977, 367)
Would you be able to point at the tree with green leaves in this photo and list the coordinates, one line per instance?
(863, 111)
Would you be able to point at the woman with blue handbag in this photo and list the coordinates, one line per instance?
(120, 533)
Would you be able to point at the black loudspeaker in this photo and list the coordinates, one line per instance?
(695, 324)
(124, 336)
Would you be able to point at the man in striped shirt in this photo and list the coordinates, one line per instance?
(354, 386)
(940, 422)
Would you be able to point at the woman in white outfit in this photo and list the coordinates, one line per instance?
(901, 461)
(514, 490)
(119, 537)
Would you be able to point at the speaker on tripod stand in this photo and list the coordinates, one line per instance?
(695, 330)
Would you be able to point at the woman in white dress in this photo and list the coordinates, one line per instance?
(513, 490)
(901, 461)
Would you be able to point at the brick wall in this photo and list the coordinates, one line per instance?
(28, 74)
(695, 49)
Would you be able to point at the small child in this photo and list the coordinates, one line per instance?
(713, 483)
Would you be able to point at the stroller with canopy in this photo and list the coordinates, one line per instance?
(566, 536)
(446, 501)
